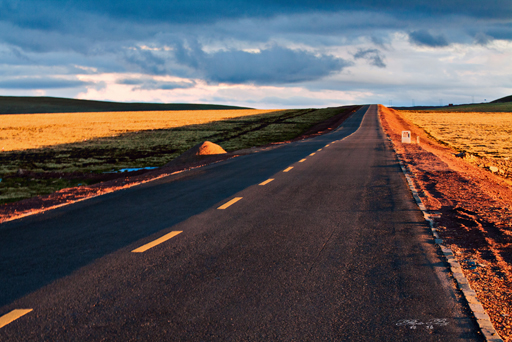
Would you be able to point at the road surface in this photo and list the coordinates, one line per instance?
(318, 240)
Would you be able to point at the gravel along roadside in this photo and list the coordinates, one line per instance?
(471, 210)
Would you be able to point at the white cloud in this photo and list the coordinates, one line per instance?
(454, 74)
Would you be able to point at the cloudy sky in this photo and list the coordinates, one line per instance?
(263, 54)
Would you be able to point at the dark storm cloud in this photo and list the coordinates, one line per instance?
(146, 61)
(93, 27)
(501, 32)
(41, 83)
(482, 39)
(424, 38)
(372, 55)
(46, 14)
(270, 66)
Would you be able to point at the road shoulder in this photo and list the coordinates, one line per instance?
(470, 210)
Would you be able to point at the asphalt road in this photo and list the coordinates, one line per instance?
(333, 249)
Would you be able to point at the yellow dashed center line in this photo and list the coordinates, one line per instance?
(267, 181)
(302, 160)
(156, 242)
(288, 169)
(312, 154)
(233, 201)
(12, 316)
(319, 149)
(327, 145)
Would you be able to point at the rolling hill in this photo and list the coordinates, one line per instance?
(33, 105)
(503, 99)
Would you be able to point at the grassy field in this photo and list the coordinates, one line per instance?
(127, 145)
(487, 137)
(22, 132)
(482, 134)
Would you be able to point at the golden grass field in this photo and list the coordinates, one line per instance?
(31, 131)
(482, 134)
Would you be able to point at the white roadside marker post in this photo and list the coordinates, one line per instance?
(406, 137)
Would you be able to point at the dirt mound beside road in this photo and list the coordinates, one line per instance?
(198, 152)
(207, 148)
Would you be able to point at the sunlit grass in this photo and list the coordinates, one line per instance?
(484, 134)
(486, 137)
(29, 131)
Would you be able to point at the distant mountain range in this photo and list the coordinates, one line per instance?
(32, 105)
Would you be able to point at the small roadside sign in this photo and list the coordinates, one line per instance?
(406, 137)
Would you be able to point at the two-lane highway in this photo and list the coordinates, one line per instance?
(316, 240)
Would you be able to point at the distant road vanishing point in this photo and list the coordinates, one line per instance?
(317, 240)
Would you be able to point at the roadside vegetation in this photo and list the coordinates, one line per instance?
(132, 140)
